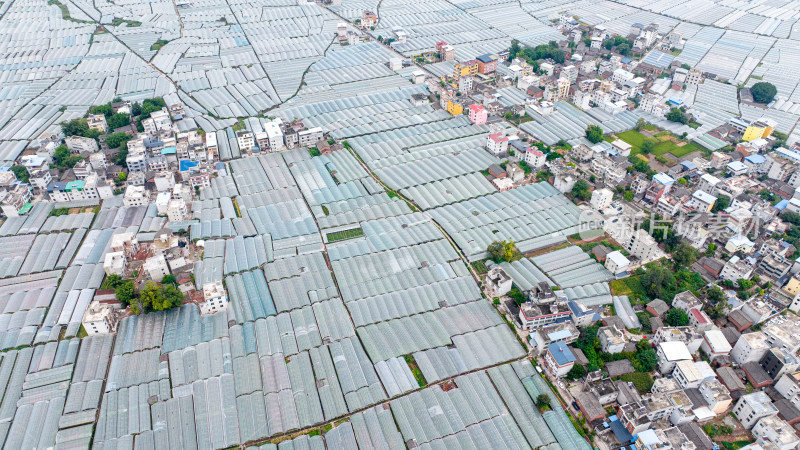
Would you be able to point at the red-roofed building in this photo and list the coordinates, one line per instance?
(497, 144)
(700, 320)
(534, 157)
(478, 114)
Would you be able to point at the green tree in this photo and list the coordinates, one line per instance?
(676, 115)
(628, 196)
(63, 159)
(111, 282)
(576, 372)
(125, 292)
(118, 120)
(21, 173)
(684, 256)
(542, 401)
(118, 140)
(122, 177)
(648, 144)
(594, 134)
(745, 283)
(763, 92)
(503, 251)
(657, 282)
(79, 127)
(676, 318)
(169, 279)
(102, 109)
(581, 190)
(640, 123)
(646, 360)
(723, 201)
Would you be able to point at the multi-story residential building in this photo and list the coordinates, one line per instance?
(497, 144)
(564, 331)
(642, 245)
(601, 198)
(700, 320)
(477, 114)
(274, 135)
(136, 196)
(40, 179)
(176, 210)
(716, 395)
(558, 359)
(534, 316)
(535, 158)
(617, 263)
(715, 345)
(737, 268)
(789, 387)
(214, 298)
(687, 335)
(80, 144)
(669, 353)
(689, 374)
(776, 431)
(368, 19)
(778, 362)
(212, 150)
(446, 51)
(611, 339)
(487, 64)
(633, 416)
(752, 407)
(694, 77)
(661, 184)
(783, 331)
(99, 318)
(309, 137)
(16, 202)
(98, 161)
(156, 268)
(246, 140)
(97, 122)
(465, 68)
(750, 347)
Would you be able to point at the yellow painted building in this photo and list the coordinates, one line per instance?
(467, 68)
(761, 128)
(793, 286)
(753, 132)
(455, 108)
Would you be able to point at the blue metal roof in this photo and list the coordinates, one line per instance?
(187, 165)
(561, 353)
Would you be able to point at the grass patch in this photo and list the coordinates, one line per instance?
(344, 235)
(642, 381)
(325, 210)
(130, 23)
(239, 125)
(82, 332)
(158, 44)
(392, 194)
(236, 207)
(65, 11)
(480, 267)
(735, 445)
(412, 364)
(665, 145)
(630, 286)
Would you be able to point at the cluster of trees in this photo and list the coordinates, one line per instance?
(621, 44)
(113, 120)
(79, 127)
(594, 134)
(763, 92)
(662, 282)
(21, 173)
(723, 202)
(63, 159)
(581, 191)
(676, 318)
(147, 107)
(677, 115)
(644, 359)
(640, 165)
(533, 55)
(152, 297)
(500, 251)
